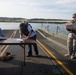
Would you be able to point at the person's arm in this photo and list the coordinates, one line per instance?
(30, 31)
(29, 34)
(69, 26)
(21, 35)
(74, 26)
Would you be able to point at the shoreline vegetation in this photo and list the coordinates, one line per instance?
(34, 20)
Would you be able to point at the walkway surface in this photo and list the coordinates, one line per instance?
(58, 47)
(43, 64)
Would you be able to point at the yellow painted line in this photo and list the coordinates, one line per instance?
(4, 50)
(58, 61)
(13, 34)
(2, 47)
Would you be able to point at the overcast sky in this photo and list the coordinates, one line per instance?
(48, 9)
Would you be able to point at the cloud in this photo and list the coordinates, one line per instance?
(37, 8)
(65, 1)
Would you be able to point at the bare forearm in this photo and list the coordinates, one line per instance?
(21, 36)
(29, 34)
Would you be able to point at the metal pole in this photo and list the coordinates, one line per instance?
(57, 29)
(24, 55)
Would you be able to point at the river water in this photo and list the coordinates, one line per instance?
(56, 28)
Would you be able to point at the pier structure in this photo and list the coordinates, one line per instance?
(50, 61)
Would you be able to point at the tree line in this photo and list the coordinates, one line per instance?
(33, 20)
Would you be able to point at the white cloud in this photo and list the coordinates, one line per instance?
(65, 1)
(37, 8)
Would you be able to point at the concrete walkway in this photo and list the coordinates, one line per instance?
(35, 65)
(58, 47)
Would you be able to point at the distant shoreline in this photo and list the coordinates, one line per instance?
(34, 20)
(39, 22)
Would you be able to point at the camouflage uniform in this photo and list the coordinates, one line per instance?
(71, 41)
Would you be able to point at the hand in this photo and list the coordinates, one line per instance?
(25, 38)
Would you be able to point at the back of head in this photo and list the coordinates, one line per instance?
(74, 15)
(23, 27)
(23, 24)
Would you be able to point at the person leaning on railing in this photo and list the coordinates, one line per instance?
(71, 40)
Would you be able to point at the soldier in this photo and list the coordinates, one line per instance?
(71, 40)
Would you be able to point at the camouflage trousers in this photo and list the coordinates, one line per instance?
(71, 46)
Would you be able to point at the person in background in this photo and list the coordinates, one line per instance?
(26, 30)
(71, 40)
(1, 33)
